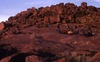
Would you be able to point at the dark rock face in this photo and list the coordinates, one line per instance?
(59, 33)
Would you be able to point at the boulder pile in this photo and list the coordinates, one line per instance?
(71, 13)
(45, 34)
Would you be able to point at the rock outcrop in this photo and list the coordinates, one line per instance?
(39, 35)
(57, 13)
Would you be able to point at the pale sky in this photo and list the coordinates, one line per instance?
(12, 7)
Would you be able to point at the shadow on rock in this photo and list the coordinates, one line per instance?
(4, 52)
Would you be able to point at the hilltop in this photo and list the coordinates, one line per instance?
(49, 34)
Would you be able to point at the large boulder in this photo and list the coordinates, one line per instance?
(2, 26)
(6, 59)
(83, 4)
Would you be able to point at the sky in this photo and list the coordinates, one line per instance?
(12, 7)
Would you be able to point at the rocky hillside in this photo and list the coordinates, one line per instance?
(68, 12)
(59, 33)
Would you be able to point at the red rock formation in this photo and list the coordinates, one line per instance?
(22, 41)
(2, 26)
(32, 59)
